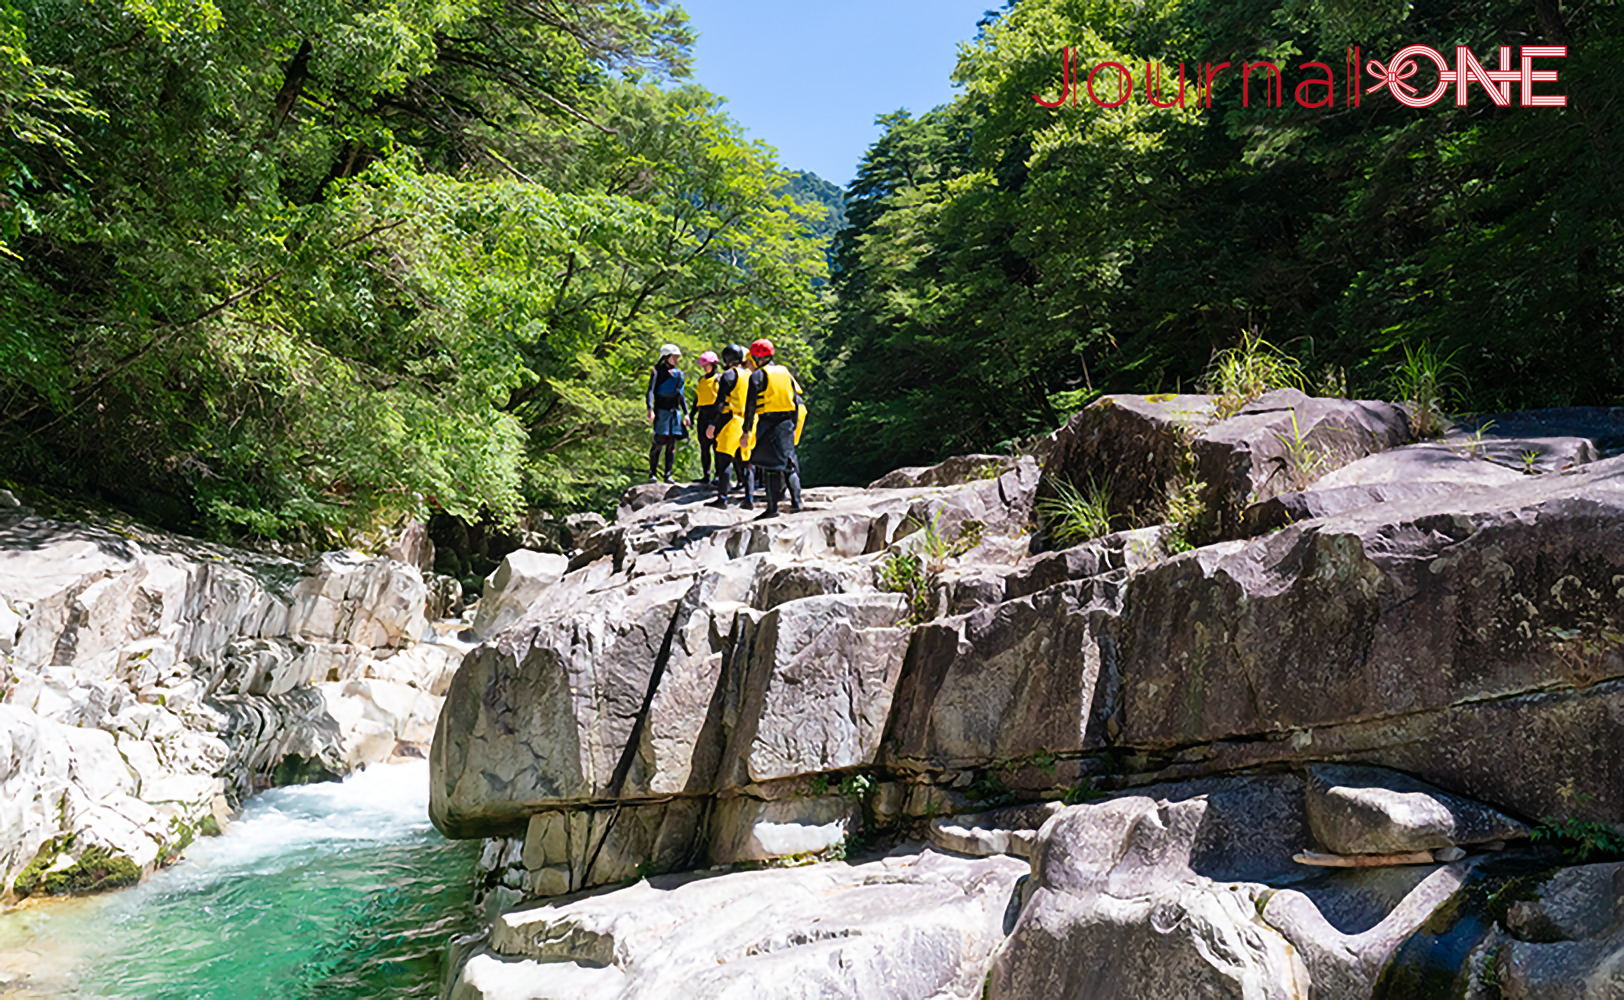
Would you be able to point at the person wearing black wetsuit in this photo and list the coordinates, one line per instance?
(707, 410)
(773, 407)
(732, 438)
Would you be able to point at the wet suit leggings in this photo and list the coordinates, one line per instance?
(723, 461)
(773, 486)
(669, 443)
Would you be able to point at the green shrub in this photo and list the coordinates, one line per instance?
(905, 573)
(1579, 839)
(96, 870)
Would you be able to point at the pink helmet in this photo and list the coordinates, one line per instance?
(708, 358)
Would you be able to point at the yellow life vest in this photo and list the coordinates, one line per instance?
(778, 396)
(706, 389)
(731, 436)
(741, 392)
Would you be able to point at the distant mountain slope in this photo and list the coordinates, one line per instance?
(810, 189)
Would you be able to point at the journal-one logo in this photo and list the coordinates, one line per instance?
(1112, 84)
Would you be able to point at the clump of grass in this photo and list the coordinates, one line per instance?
(1303, 462)
(905, 573)
(1078, 515)
(1183, 514)
(1243, 373)
(1426, 380)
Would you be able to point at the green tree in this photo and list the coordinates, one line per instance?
(302, 271)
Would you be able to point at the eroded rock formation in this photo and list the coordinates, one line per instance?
(150, 682)
(1288, 747)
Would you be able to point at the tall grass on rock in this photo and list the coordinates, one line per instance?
(1244, 372)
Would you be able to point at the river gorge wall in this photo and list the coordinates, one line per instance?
(1247, 752)
(151, 682)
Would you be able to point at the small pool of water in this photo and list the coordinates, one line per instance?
(334, 891)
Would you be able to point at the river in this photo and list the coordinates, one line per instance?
(333, 891)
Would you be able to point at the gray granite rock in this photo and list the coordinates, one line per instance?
(1367, 810)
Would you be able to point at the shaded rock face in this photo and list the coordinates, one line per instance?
(1323, 626)
(152, 681)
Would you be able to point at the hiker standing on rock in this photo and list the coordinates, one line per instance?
(776, 409)
(667, 409)
(708, 411)
(732, 442)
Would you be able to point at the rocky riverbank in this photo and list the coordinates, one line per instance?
(1270, 744)
(151, 682)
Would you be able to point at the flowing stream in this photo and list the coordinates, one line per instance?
(339, 890)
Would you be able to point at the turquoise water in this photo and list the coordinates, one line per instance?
(332, 891)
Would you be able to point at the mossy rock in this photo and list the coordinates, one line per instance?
(296, 769)
(96, 870)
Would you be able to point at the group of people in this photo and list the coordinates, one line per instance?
(749, 411)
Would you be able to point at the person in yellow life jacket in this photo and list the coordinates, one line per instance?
(707, 410)
(732, 443)
(773, 407)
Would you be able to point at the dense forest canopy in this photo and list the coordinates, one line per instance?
(1008, 261)
(276, 269)
(302, 270)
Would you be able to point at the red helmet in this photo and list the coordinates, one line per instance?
(761, 349)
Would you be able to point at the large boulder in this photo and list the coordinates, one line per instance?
(1190, 890)
(514, 586)
(909, 927)
(1144, 447)
(1365, 810)
(1496, 593)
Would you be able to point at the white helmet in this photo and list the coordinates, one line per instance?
(666, 350)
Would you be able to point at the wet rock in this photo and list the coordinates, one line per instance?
(1365, 810)
(1347, 927)
(1575, 904)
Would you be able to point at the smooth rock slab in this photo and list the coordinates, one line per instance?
(1368, 810)
(909, 927)
(1028, 675)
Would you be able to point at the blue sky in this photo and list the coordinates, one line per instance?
(809, 78)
